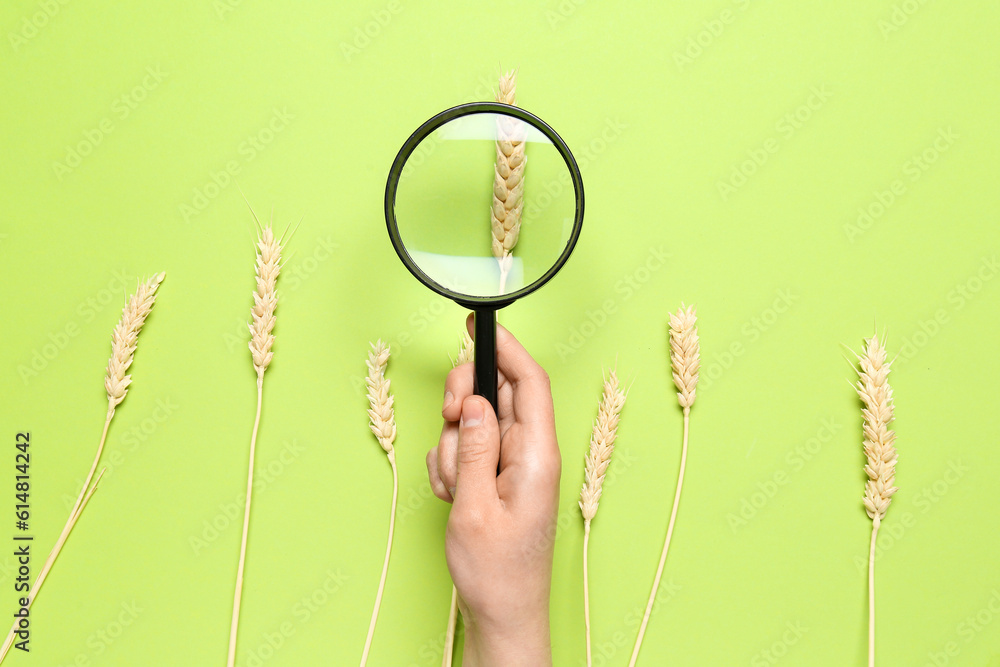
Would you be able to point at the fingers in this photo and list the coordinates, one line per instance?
(533, 453)
(457, 387)
(447, 457)
(437, 486)
(512, 359)
(530, 382)
(478, 455)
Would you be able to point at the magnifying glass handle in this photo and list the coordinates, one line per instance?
(485, 383)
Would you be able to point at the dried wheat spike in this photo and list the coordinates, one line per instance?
(124, 338)
(508, 183)
(383, 422)
(468, 351)
(602, 445)
(684, 354)
(876, 394)
(265, 299)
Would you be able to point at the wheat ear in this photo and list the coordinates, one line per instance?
(880, 453)
(602, 446)
(508, 181)
(466, 353)
(265, 301)
(685, 361)
(383, 426)
(116, 383)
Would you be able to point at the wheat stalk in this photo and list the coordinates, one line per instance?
(508, 181)
(602, 446)
(685, 361)
(116, 383)
(466, 353)
(449, 635)
(880, 453)
(265, 301)
(383, 426)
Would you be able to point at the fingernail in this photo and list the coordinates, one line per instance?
(449, 398)
(451, 490)
(472, 413)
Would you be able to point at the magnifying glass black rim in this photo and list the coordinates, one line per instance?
(421, 133)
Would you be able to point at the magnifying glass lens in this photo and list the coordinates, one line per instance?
(485, 205)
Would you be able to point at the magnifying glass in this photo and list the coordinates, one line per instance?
(484, 204)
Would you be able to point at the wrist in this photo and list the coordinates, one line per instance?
(508, 644)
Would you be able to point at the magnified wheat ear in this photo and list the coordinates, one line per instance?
(602, 446)
(880, 454)
(265, 302)
(466, 353)
(508, 181)
(685, 362)
(116, 382)
(383, 426)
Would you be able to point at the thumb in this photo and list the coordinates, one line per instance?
(478, 453)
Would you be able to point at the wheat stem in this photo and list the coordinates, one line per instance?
(586, 587)
(666, 543)
(383, 426)
(237, 598)
(50, 561)
(449, 636)
(265, 302)
(685, 362)
(385, 563)
(880, 453)
(466, 354)
(871, 595)
(116, 383)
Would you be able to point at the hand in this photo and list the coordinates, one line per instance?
(501, 529)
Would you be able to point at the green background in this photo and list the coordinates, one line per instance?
(661, 103)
